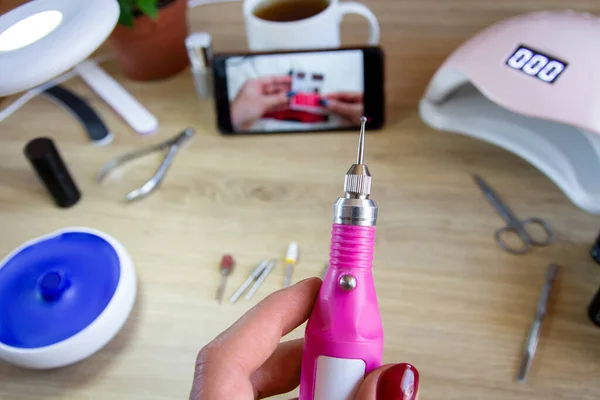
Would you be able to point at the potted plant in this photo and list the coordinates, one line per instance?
(149, 40)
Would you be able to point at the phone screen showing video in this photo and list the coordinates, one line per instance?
(296, 91)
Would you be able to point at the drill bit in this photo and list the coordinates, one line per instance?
(357, 183)
(290, 260)
(251, 278)
(356, 208)
(225, 268)
(263, 276)
(536, 327)
(360, 158)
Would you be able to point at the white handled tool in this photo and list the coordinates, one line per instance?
(120, 100)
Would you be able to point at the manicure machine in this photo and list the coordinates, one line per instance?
(529, 85)
(344, 334)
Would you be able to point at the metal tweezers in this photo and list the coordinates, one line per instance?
(173, 145)
(536, 327)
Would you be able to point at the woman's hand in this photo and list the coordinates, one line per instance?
(258, 96)
(348, 105)
(247, 361)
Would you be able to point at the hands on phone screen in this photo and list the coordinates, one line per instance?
(348, 105)
(267, 94)
(257, 97)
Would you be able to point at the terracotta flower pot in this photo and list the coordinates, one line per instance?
(153, 49)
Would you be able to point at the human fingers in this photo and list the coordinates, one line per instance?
(281, 372)
(275, 84)
(276, 80)
(231, 359)
(282, 107)
(347, 97)
(391, 382)
(276, 100)
(345, 109)
(273, 88)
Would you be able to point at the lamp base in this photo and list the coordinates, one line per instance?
(153, 49)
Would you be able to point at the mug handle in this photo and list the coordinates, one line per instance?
(352, 7)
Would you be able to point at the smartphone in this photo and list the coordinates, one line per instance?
(299, 91)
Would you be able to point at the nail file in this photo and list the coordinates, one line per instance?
(115, 95)
(80, 109)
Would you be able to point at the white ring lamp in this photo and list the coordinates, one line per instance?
(44, 38)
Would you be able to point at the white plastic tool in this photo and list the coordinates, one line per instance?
(120, 100)
(527, 85)
(199, 47)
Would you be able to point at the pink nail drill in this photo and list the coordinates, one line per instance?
(344, 334)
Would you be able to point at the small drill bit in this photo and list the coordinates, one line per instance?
(290, 260)
(357, 185)
(225, 268)
(536, 326)
(263, 276)
(251, 278)
(360, 158)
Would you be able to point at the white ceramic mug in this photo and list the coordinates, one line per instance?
(319, 31)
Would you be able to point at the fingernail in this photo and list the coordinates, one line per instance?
(291, 93)
(400, 382)
(323, 102)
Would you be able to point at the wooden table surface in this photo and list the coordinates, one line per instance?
(452, 302)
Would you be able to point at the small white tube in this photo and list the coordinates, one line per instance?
(199, 47)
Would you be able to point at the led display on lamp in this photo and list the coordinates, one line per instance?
(536, 64)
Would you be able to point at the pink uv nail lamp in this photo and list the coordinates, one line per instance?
(531, 85)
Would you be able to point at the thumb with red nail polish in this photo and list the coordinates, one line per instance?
(391, 382)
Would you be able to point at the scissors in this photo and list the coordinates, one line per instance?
(514, 225)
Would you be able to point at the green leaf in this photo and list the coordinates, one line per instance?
(126, 15)
(148, 7)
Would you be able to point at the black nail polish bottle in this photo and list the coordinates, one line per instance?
(594, 309)
(52, 171)
(595, 252)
